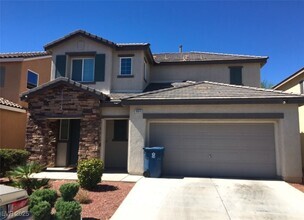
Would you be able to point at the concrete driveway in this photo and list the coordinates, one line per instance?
(205, 198)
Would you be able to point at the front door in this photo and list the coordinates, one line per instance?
(74, 141)
(68, 142)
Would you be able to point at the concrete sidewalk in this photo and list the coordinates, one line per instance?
(116, 177)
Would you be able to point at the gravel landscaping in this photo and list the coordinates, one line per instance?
(103, 201)
(299, 186)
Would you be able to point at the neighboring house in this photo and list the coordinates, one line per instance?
(18, 73)
(109, 100)
(13, 124)
(295, 84)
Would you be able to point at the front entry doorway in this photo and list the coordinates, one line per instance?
(116, 145)
(68, 143)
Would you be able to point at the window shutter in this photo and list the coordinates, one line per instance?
(236, 75)
(100, 61)
(60, 65)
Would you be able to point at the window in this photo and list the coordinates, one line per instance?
(83, 69)
(64, 130)
(302, 87)
(32, 79)
(2, 76)
(236, 75)
(120, 130)
(125, 66)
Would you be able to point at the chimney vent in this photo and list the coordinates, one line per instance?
(180, 48)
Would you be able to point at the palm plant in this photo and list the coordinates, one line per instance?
(21, 177)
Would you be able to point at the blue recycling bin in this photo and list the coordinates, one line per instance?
(153, 161)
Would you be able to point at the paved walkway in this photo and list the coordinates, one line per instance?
(117, 177)
(212, 199)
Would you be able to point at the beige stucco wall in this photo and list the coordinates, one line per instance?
(82, 44)
(112, 83)
(287, 133)
(129, 84)
(294, 87)
(208, 72)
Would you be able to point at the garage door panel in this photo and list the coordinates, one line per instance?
(206, 149)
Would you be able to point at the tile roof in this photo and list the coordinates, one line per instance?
(9, 103)
(119, 96)
(202, 57)
(93, 37)
(66, 81)
(24, 54)
(212, 91)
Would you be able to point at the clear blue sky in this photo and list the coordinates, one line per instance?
(273, 28)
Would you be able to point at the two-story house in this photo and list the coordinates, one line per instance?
(109, 100)
(18, 73)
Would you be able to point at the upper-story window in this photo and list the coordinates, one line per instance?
(302, 87)
(236, 75)
(126, 66)
(2, 76)
(83, 69)
(32, 79)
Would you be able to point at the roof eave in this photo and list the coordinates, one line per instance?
(280, 100)
(262, 61)
(283, 82)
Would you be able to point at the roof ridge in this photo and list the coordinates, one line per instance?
(215, 53)
(254, 88)
(28, 52)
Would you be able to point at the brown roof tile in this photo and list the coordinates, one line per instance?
(213, 91)
(9, 103)
(203, 57)
(23, 54)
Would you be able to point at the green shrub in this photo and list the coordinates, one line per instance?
(42, 211)
(34, 200)
(21, 177)
(89, 173)
(48, 195)
(10, 158)
(67, 210)
(68, 191)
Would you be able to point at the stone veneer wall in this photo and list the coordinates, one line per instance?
(65, 101)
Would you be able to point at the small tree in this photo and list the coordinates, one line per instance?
(266, 84)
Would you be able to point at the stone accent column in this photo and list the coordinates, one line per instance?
(41, 140)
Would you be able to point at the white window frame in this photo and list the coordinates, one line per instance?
(131, 66)
(27, 77)
(82, 67)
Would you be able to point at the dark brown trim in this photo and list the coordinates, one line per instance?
(277, 86)
(281, 100)
(88, 53)
(262, 60)
(116, 116)
(126, 55)
(213, 116)
(39, 89)
(125, 76)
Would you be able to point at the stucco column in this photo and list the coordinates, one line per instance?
(291, 151)
(137, 135)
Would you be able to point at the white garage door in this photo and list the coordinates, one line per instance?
(211, 149)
